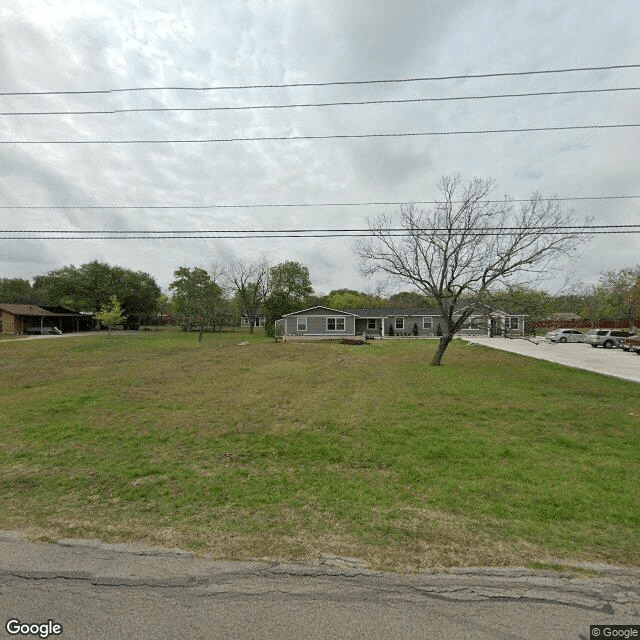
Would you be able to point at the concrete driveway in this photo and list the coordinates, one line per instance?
(609, 362)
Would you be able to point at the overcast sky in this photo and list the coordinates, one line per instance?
(68, 45)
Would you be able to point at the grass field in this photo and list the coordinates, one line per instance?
(296, 451)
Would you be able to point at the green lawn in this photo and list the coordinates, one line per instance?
(299, 450)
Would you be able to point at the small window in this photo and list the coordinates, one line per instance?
(371, 323)
(335, 324)
(513, 323)
(302, 324)
(426, 323)
(400, 324)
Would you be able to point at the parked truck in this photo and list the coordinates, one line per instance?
(632, 344)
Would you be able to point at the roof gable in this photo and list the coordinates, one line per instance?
(320, 311)
(35, 310)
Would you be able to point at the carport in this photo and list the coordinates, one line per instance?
(17, 318)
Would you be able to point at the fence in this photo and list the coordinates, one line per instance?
(584, 324)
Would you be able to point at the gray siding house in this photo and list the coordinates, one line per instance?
(319, 323)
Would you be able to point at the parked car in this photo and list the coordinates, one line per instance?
(565, 335)
(631, 344)
(607, 338)
(43, 331)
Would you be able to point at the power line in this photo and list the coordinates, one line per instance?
(313, 233)
(582, 227)
(314, 104)
(294, 205)
(323, 84)
(212, 237)
(326, 137)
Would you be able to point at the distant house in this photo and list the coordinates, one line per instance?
(320, 322)
(259, 321)
(19, 318)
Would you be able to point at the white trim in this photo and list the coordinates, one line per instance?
(298, 319)
(336, 318)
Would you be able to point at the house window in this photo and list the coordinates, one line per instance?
(371, 323)
(513, 323)
(302, 324)
(426, 323)
(335, 324)
(400, 324)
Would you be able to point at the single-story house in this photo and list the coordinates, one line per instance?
(17, 318)
(259, 321)
(323, 322)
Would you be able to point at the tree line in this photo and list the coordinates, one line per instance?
(223, 294)
(469, 251)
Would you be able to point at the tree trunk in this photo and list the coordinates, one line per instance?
(442, 347)
(201, 331)
(251, 323)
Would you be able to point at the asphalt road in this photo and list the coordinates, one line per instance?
(610, 362)
(97, 591)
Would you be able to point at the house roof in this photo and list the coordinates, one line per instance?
(340, 312)
(372, 312)
(377, 312)
(33, 310)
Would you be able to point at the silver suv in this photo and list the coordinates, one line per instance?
(607, 338)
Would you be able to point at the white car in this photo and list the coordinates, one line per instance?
(565, 335)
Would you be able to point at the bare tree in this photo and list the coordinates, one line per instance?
(250, 281)
(468, 245)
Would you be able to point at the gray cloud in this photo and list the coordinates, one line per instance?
(86, 45)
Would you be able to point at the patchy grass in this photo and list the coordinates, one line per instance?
(298, 450)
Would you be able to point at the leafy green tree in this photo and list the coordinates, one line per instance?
(91, 286)
(15, 290)
(411, 300)
(622, 299)
(290, 288)
(350, 299)
(534, 303)
(198, 300)
(314, 300)
(593, 303)
(292, 279)
(276, 304)
(111, 315)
